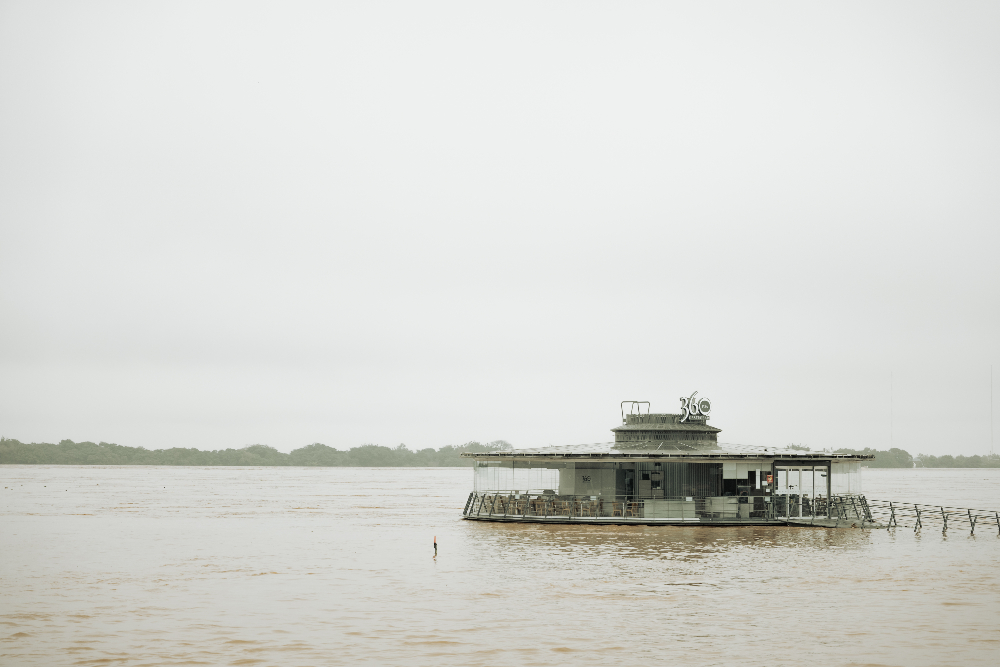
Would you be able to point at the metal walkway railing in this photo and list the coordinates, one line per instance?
(892, 514)
(848, 508)
(533, 506)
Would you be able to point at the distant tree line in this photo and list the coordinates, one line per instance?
(949, 461)
(900, 458)
(888, 458)
(68, 452)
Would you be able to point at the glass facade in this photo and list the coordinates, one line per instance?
(846, 477)
(504, 476)
(739, 489)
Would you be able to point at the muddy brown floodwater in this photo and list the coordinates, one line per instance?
(335, 566)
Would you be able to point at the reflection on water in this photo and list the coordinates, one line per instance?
(296, 566)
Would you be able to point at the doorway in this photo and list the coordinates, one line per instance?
(802, 491)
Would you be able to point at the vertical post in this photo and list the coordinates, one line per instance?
(801, 499)
(892, 515)
(513, 482)
(867, 509)
(917, 524)
(829, 486)
(972, 523)
(944, 517)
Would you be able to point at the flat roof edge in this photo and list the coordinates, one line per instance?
(665, 455)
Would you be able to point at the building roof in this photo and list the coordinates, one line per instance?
(664, 422)
(699, 428)
(661, 449)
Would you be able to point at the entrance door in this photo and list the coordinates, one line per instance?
(801, 491)
(625, 482)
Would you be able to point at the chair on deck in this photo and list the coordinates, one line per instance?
(538, 507)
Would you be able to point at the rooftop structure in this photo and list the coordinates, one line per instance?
(665, 468)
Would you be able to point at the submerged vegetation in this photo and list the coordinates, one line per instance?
(68, 452)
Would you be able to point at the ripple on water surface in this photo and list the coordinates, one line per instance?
(321, 566)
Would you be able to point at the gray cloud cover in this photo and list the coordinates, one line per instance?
(227, 223)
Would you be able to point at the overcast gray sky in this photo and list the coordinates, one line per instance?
(428, 223)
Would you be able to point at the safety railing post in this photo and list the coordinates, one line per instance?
(857, 513)
(864, 506)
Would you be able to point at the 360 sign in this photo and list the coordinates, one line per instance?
(695, 409)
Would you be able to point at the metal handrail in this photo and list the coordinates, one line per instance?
(634, 404)
(918, 514)
(507, 505)
(844, 507)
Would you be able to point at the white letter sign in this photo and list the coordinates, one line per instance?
(695, 410)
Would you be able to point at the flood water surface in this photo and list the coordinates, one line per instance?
(336, 566)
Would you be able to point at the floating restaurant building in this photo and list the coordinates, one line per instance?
(664, 469)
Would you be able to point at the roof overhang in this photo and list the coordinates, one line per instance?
(691, 456)
(686, 428)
